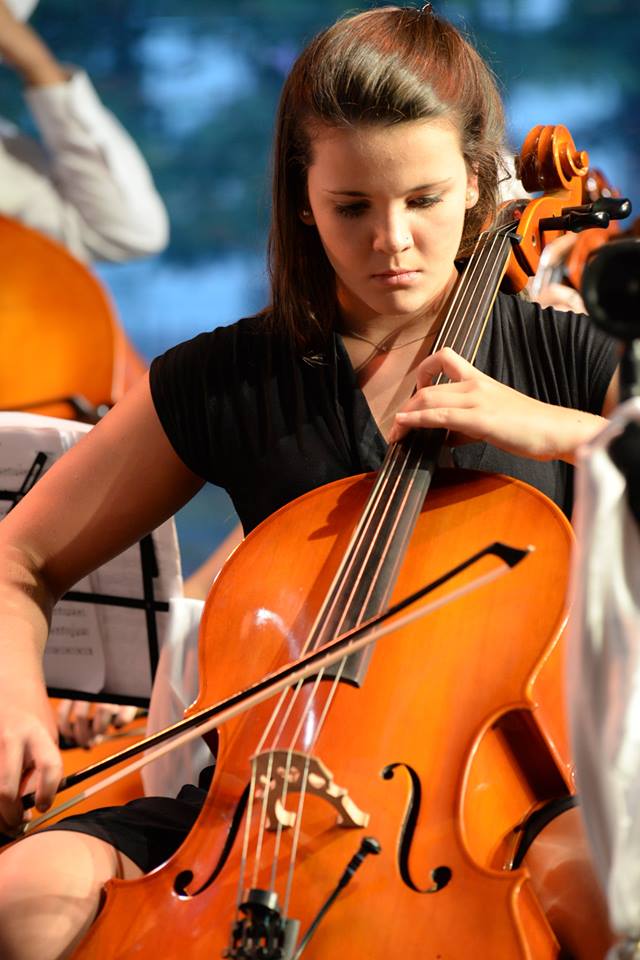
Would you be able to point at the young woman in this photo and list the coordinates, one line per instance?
(386, 161)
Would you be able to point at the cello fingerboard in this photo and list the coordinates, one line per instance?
(367, 575)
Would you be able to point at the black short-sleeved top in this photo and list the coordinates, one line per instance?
(245, 411)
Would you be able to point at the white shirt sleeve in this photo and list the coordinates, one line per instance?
(90, 188)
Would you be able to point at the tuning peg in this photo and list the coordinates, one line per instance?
(616, 207)
(575, 219)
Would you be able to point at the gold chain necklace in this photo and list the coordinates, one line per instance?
(381, 346)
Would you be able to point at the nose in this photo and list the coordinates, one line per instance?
(392, 235)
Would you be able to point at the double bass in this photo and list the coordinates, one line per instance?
(378, 809)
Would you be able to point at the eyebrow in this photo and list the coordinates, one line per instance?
(421, 186)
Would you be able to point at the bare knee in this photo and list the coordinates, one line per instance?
(50, 892)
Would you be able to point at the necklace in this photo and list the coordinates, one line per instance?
(381, 347)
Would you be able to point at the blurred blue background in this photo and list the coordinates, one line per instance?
(196, 83)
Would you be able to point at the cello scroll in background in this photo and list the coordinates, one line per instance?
(60, 333)
(562, 261)
(575, 199)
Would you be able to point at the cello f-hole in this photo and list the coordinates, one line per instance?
(440, 875)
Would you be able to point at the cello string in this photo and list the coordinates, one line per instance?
(488, 260)
(303, 789)
(475, 264)
(470, 276)
(363, 531)
(467, 291)
(495, 266)
(297, 827)
(263, 815)
(245, 837)
(448, 325)
(369, 534)
(278, 710)
(308, 750)
(262, 826)
(252, 790)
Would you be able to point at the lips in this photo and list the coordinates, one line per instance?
(396, 277)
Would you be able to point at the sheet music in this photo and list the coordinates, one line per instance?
(92, 648)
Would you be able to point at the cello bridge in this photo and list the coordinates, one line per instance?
(280, 773)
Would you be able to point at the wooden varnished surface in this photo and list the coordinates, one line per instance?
(433, 695)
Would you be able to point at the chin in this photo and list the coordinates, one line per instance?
(401, 305)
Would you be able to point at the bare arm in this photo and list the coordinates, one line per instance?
(94, 192)
(115, 485)
(22, 49)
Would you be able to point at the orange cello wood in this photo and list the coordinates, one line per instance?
(548, 161)
(433, 696)
(60, 332)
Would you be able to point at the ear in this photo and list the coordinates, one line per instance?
(473, 191)
(307, 216)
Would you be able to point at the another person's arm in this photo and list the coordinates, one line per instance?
(94, 192)
(118, 483)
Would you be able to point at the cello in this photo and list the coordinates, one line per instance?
(376, 745)
(68, 355)
(565, 260)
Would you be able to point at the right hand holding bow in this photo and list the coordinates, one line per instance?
(29, 756)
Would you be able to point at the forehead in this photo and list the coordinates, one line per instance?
(414, 151)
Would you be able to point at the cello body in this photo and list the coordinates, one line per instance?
(451, 738)
(60, 331)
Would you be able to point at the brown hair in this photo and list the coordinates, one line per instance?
(384, 66)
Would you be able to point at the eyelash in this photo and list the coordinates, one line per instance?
(353, 210)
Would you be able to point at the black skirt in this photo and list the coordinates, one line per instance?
(148, 830)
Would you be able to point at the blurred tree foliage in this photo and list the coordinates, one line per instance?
(210, 157)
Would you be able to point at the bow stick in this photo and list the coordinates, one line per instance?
(157, 745)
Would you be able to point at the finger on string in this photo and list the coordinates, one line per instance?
(445, 361)
(441, 396)
(460, 420)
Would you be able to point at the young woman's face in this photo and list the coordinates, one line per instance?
(389, 204)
